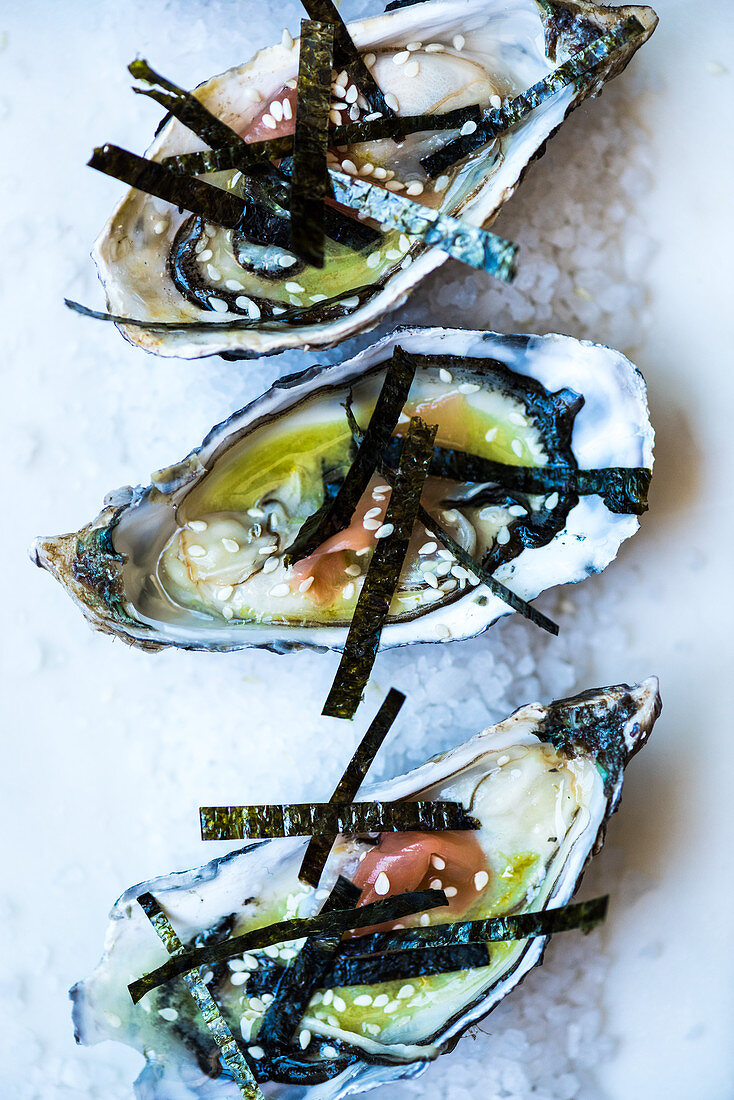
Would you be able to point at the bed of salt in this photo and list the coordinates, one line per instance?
(110, 751)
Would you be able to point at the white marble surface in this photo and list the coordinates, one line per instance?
(97, 736)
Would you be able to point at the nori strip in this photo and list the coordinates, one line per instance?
(517, 603)
(310, 142)
(518, 109)
(469, 243)
(383, 574)
(350, 133)
(334, 515)
(305, 973)
(345, 818)
(231, 1054)
(584, 915)
(346, 54)
(320, 845)
(420, 962)
(296, 315)
(376, 912)
(193, 114)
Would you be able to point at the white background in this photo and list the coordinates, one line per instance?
(108, 752)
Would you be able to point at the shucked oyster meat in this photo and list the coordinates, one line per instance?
(163, 265)
(542, 785)
(198, 559)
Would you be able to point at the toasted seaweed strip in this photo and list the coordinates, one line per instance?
(469, 243)
(399, 126)
(420, 962)
(193, 114)
(584, 916)
(305, 973)
(310, 142)
(501, 591)
(376, 912)
(293, 316)
(347, 55)
(312, 818)
(335, 515)
(231, 1054)
(383, 573)
(320, 845)
(517, 109)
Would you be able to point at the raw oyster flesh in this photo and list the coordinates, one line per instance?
(161, 264)
(197, 559)
(542, 784)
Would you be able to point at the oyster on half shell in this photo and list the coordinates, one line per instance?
(198, 558)
(162, 265)
(542, 784)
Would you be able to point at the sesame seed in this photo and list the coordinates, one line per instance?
(491, 435)
(393, 253)
(435, 884)
(438, 862)
(384, 531)
(392, 102)
(294, 288)
(468, 128)
(343, 78)
(451, 891)
(503, 536)
(393, 1006)
(287, 260)
(239, 977)
(412, 68)
(480, 880)
(252, 310)
(160, 227)
(401, 58)
(328, 996)
(350, 167)
(469, 387)
(369, 59)
(425, 920)
(339, 107)
(256, 1052)
(276, 110)
(441, 184)
(363, 1000)
(381, 1000)
(427, 548)
(353, 571)
(335, 117)
(435, 47)
(348, 591)
(305, 585)
(373, 259)
(458, 41)
(197, 525)
(352, 93)
(339, 1004)
(381, 489)
(231, 545)
(218, 305)
(233, 284)
(228, 612)
(269, 121)
(350, 303)
(395, 185)
(270, 565)
(551, 501)
(517, 510)
(371, 524)
(294, 300)
(372, 512)
(495, 101)
(415, 187)
(280, 590)
(250, 962)
(366, 169)
(382, 887)
(317, 297)
(361, 553)
(446, 555)
(169, 1014)
(196, 551)
(213, 272)
(517, 447)
(330, 1052)
(287, 39)
(430, 579)
(225, 592)
(304, 1038)
(443, 568)
(287, 109)
(205, 254)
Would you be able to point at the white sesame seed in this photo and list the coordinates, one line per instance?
(250, 962)
(213, 272)
(445, 375)
(480, 880)
(438, 862)
(443, 568)
(343, 78)
(361, 553)
(369, 59)
(458, 41)
(495, 101)
(328, 996)
(425, 920)
(339, 1004)
(469, 387)
(256, 1052)
(231, 545)
(305, 585)
(372, 512)
(233, 284)
(441, 184)
(218, 305)
(196, 551)
(435, 884)
(228, 612)
(393, 253)
(414, 187)
(160, 227)
(551, 501)
(517, 510)
(270, 565)
(294, 288)
(287, 39)
(287, 260)
(338, 91)
(252, 310)
(169, 1014)
(304, 1038)
(205, 254)
(401, 58)
(384, 531)
(269, 121)
(276, 110)
(503, 536)
(225, 592)
(451, 891)
(348, 591)
(363, 1000)
(381, 1000)
(352, 93)
(430, 579)
(392, 102)
(396, 185)
(330, 1052)
(435, 47)
(349, 303)
(491, 435)
(382, 887)
(335, 117)
(366, 169)
(197, 525)
(412, 68)
(373, 260)
(317, 297)
(353, 571)
(239, 977)
(280, 590)
(371, 524)
(339, 107)
(517, 447)
(287, 109)
(350, 167)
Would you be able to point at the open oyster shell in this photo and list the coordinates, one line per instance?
(542, 783)
(488, 50)
(197, 558)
